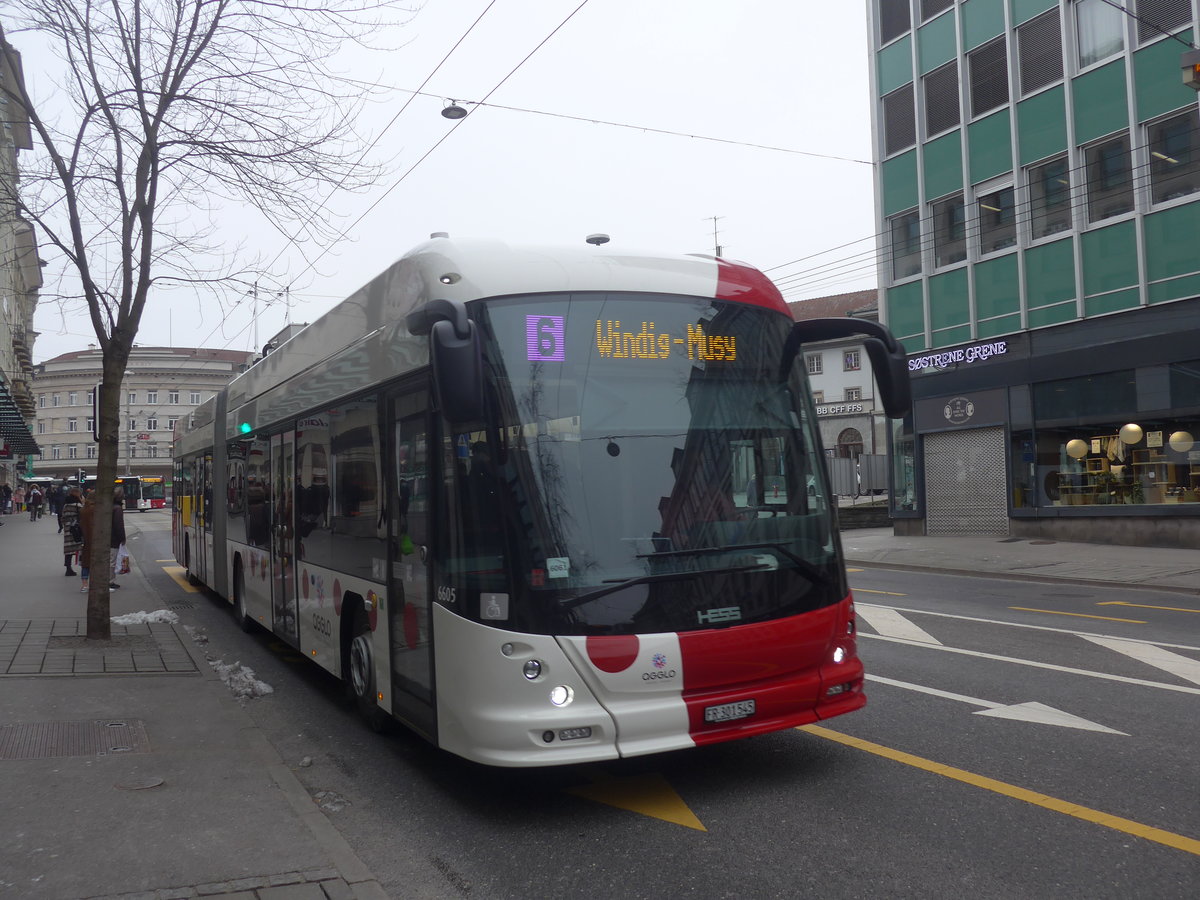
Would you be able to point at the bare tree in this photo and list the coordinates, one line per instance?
(167, 110)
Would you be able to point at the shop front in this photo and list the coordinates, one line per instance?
(1088, 431)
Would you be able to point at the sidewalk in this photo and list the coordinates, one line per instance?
(131, 771)
(1011, 557)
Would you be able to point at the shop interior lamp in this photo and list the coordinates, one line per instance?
(1077, 449)
(1130, 434)
(1181, 441)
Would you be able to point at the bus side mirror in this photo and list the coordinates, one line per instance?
(888, 359)
(454, 356)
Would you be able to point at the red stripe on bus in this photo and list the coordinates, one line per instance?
(785, 666)
(746, 284)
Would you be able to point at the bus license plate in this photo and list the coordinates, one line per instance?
(726, 712)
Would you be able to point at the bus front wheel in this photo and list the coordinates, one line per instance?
(360, 675)
(239, 599)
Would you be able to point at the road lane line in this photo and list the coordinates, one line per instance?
(1057, 612)
(887, 621)
(1147, 606)
(1178, 688)
(1182, 666)
(885, 593)
(1116, 823)
(926, 612)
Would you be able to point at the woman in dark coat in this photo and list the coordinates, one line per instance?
(118, 531)
(68, 524)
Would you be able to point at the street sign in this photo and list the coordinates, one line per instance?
(143, 436)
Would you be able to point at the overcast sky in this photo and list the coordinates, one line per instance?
(776, 73)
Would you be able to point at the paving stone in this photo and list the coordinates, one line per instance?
(304, 891)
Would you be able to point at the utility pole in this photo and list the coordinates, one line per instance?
(716, 243)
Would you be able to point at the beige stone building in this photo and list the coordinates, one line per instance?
(161, 386)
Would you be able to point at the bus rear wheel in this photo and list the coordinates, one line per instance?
(360, 674)
(239, 599)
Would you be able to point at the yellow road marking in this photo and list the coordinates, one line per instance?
(1147, 606)
(178, 576)
(164, 560)
(1127, 826)
(649, 795)
(1055, 612)
(854, 570)
(888, 593)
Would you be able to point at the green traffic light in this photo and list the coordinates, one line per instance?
(245, 428)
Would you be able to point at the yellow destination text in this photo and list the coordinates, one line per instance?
(614, 343)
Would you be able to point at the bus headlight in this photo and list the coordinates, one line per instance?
(562, 695)
(532, 668)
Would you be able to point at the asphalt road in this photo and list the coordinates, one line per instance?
(1020, 741)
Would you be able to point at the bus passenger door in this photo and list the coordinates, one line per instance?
(410, 532)
(284, 600)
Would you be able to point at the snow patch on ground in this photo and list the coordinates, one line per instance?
(241, 680)
(143, 618)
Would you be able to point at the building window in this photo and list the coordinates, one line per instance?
(91, 397)
(91, 424)
(818, 397)
(55, 400)
(133, 424)
(989, 77)
(72, 424)
(41, 427)
(997, 221)
(133, 396)
(41, 401)
(194, 397)
(172, 397)
(906, 244)
(930, 8)
(851, 361)
(151, 396)
(1039, 52)
(1174, 160)
(941, 99)
(813, 362)
(1109, 181)
(152, 424)
(171, 424)
(152, 451)
(132, 451)
(73, 398)
(853, 394)
(1159, 17)
(73, 451)
(90, 452)
(1100, 28)
(1050, 198)
(56, 452)
(899, 120)
(949, 231)
(893, 19)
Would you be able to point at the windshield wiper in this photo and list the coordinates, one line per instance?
(619, 584)
(812, 571)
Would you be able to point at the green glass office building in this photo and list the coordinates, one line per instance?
(1038, 204)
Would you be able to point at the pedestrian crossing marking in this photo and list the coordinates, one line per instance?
(1184, 667)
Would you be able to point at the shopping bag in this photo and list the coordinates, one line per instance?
(122, 566)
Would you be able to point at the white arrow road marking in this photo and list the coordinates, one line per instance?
(1186, 668)
(889, 622)
(1021, 712)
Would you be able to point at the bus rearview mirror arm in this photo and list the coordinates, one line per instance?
(888, 358)
(454, 357)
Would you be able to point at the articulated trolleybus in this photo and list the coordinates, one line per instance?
(542, 506)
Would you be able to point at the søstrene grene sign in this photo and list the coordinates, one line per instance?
(947, 358)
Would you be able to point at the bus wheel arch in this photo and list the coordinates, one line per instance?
(358, 662)
(239, 596)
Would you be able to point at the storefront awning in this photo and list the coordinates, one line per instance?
(14, 431)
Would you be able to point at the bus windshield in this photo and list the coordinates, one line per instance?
(643, 470)
(152, 489)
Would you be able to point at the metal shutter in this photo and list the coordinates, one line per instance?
(1158, 16)
(899, 120)
(965, 482)
(989, 77)
(930, 8)
(1039, 45)
(941, 98)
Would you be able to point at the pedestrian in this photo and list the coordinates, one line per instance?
(117, 539)
(5, 498)
(18, 499)
(34, 502)
(69, 525)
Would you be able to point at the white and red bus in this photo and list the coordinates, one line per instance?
(543, 506)
(143, 492)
